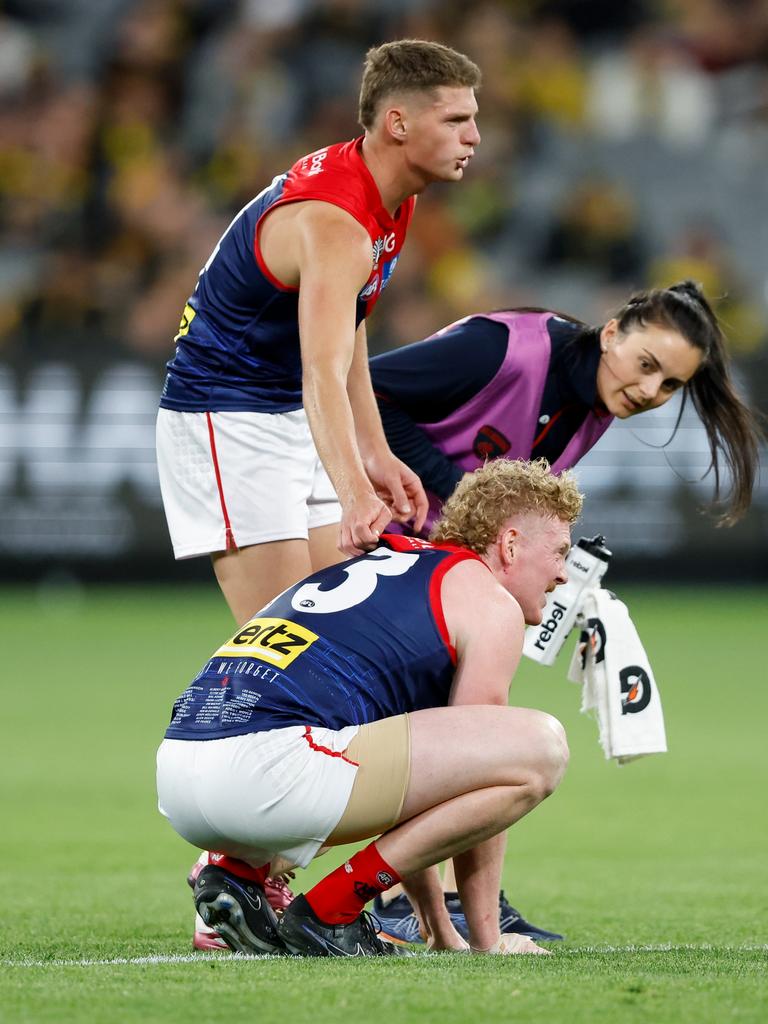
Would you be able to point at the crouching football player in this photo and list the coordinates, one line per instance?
(370, 701)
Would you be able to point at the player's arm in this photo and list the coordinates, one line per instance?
(334, 260)
(486, 627)
(428, 381)
(410, 444)
(394, 481)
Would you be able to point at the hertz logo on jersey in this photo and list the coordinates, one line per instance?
(277, 641)
(187, 317)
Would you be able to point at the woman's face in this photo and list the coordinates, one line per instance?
(642, 369)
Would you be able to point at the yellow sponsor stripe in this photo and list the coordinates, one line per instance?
(254, 652)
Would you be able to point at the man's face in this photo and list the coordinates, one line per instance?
(441, 132)
(540, 545)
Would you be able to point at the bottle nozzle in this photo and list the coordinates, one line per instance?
(595, 546)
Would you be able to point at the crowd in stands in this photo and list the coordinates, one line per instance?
(624, 144)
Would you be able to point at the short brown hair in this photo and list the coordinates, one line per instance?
(484, 500)
(410, 64)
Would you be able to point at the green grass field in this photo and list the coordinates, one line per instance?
(655, 871)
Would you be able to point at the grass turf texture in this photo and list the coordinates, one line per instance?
(655, 871)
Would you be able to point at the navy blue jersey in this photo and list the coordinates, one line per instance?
(354, 643)
(238, 341)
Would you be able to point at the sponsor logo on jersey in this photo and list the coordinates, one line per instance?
(316, 161)
(277, 641)
(383, 244)
(387, 271)
(490, 443)
(187, 317)
(371, 288)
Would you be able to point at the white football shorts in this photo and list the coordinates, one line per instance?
(258, 795)
(230, 479)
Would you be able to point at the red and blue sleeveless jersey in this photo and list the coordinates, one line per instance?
(354, 643)
(238, 341)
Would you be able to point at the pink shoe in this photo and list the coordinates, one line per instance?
(279, 896)
(205, 937)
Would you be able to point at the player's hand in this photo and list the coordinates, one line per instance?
(398, 486)
(363, 520)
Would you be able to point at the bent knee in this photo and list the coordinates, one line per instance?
(559, 740)
(551, 754)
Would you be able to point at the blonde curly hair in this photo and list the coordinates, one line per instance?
(483, 501)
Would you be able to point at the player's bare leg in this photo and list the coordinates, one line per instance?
(513, 785)
(252, 576)
(323, 546)
(478, 879)
(480, 874)
(462, 823)
(448, 884)
(438, 937)
(449, 877)
(425, 892)
(511, 759)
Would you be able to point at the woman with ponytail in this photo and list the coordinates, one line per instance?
(530, 383)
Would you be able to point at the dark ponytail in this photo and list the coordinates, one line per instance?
(732, 429)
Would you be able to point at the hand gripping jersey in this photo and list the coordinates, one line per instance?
(238, 342)
(351, 644)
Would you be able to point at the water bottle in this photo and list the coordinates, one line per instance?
(587, 563)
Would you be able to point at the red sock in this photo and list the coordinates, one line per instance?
(239, 867)
(340, 896)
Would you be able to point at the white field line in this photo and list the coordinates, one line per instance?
(171, 958)
(233, 958)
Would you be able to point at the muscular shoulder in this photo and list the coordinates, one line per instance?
(486, 627)
(331, 240)
(314, 236)
(471, 596)
(322, 220)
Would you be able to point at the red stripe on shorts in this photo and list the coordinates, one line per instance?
(325, 750)
(231, 545)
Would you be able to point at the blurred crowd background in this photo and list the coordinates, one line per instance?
(624, 144)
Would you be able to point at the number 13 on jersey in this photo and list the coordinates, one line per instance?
(359, 583)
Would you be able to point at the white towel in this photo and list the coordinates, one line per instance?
(616, 678)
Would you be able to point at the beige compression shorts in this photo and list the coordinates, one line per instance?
(383, 752)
